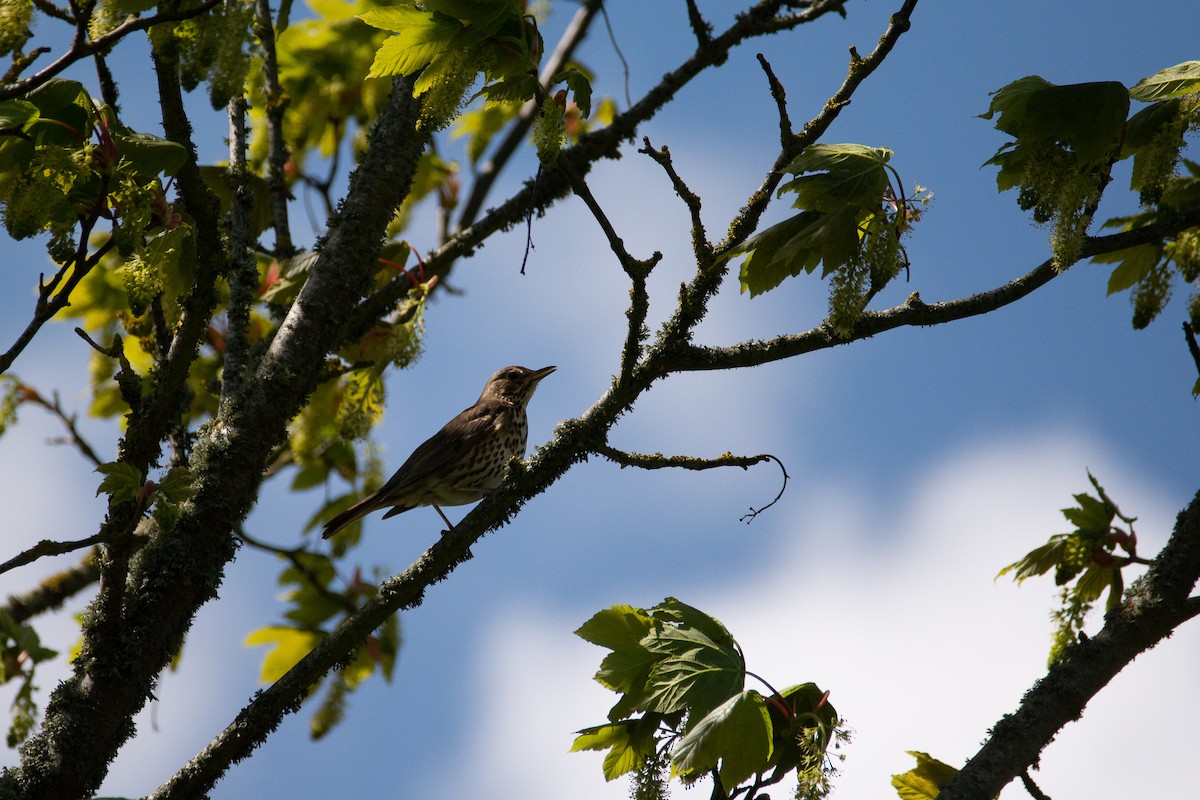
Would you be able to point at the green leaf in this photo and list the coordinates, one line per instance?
(1173, 81)
(627, 668)
(17, 116)
(1087, 117)
(1133, 264)
(65, 113)
(178, 485)
(922, 782)
(515, 89)
(1093, 581)
(1148, 122)
(289, 645)
(420, 38)
(580, 87)
(476, 11)
(149, 155)
(799, 245)
(737, 734)
(1038, 561)
(692, 617)
(629, 742)
(697, 672)
(846, 175)
(798, 714)
(1092, 514)
(122, 481)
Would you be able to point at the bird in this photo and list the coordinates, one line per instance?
(464, 461)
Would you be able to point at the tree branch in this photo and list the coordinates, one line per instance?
(277, 149)
(54, 590)
(760, 20)
(179, 570)
(701, 247)
(916, 312)
(50, 302)
(659, 461)
(1150, 610)
(242, 274)
(1189, 336)
(572, 37)
(82, 47)
(48, 547)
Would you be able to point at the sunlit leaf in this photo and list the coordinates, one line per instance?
(122, 481)
(288, 646)
(737, 734)
(922, 782)
(629, 743)
(1173, 81)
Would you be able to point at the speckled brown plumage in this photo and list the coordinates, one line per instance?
(465, 460)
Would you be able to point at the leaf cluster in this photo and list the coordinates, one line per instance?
(212, 49)
(323, 63)
(124, 483)
(1085, 561)
(65, 159)
(1065, 141)
(315, 605)
(20, 652)
(922, 782)
(851, 221)
(451, 42)
(681, 679)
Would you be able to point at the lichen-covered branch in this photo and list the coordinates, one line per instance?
(914, 311)
(84, 47)
(277, 149)
(761, 19)
(54, 590)
(90, 714)
(1150, 610)
(49, 547)
(486, 177)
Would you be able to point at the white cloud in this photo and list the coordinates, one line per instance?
(895, 611)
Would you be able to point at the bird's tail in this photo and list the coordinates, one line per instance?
(354, 512)
(360, 509)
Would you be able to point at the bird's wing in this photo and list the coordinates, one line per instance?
(443, 448)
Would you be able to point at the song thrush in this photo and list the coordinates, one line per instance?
(465, 460)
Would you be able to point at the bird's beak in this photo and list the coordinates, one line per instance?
(541, 373)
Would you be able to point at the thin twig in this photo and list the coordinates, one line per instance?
(1032, 787)
(50, 301)
(48, 547)
(491, 169)
(1193, 347)
(83, 47)
(700, 27)
(242, 274)
(54, 406)
(659, 461)
(779, 94)
(53, 590)
(700, 245)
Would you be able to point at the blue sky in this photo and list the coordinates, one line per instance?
(921, 461)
